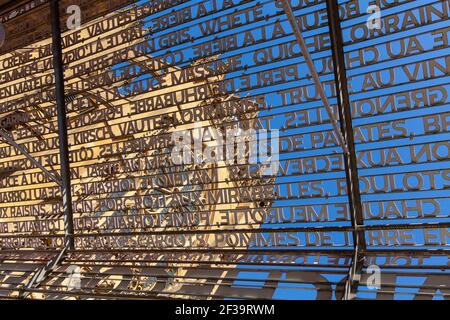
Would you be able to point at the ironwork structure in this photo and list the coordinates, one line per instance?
(93, 202)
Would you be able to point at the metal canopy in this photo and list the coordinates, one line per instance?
(125, 227)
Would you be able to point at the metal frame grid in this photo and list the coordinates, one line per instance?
(146, 273)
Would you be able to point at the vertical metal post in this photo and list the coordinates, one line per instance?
(62, 124)
(337, 47)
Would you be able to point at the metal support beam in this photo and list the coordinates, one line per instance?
(62, 124)
(344, 132)
(314, 74)
(351, 167)
(10, 140)
(41, 274)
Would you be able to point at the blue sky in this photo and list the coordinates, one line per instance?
(413, 122)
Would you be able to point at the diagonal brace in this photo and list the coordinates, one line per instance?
(42, 273)
(319, 86)
(351, 165)
(344, 134)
